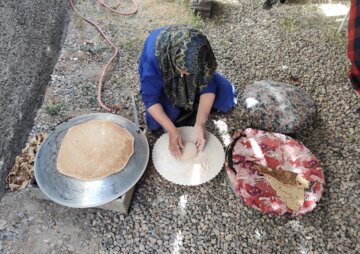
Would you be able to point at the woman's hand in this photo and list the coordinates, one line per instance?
(200, 137)
(175, 143)
(175, 140)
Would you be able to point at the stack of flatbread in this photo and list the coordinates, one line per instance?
(22, 172)
(94, 150)
(289, 186)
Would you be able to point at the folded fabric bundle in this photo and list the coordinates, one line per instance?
(278, 107)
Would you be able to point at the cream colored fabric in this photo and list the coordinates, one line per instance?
(94, 150)
(200, 169)
(291, 195)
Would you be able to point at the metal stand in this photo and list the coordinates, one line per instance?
(120, 205)
(343, 22)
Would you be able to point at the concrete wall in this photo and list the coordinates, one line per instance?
(31, 35)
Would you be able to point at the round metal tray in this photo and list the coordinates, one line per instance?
(69, 191)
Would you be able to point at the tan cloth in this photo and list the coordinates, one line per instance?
(94, 150)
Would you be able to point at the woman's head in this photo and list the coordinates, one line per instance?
(192, 52)
(187, 63)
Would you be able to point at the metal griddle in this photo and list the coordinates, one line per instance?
(75, 193)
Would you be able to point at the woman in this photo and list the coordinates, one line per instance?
(177, 77)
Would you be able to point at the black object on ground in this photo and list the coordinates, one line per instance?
(202, 7)
(269, 3)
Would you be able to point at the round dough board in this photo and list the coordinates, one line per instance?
(201, 169)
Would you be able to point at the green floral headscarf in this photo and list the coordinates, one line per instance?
(189, 50)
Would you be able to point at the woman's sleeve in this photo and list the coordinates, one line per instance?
(150, 84)
(226, 95)
(211, 86)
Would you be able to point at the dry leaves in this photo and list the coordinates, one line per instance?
(22, 172)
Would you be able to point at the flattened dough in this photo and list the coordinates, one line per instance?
(189, 151)
(94, 150)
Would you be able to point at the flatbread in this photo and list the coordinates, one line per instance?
(94, 150)
(291, 195)
(284, 176)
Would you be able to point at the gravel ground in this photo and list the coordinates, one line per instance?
(292, 43)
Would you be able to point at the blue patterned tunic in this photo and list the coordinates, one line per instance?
(151, 86)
